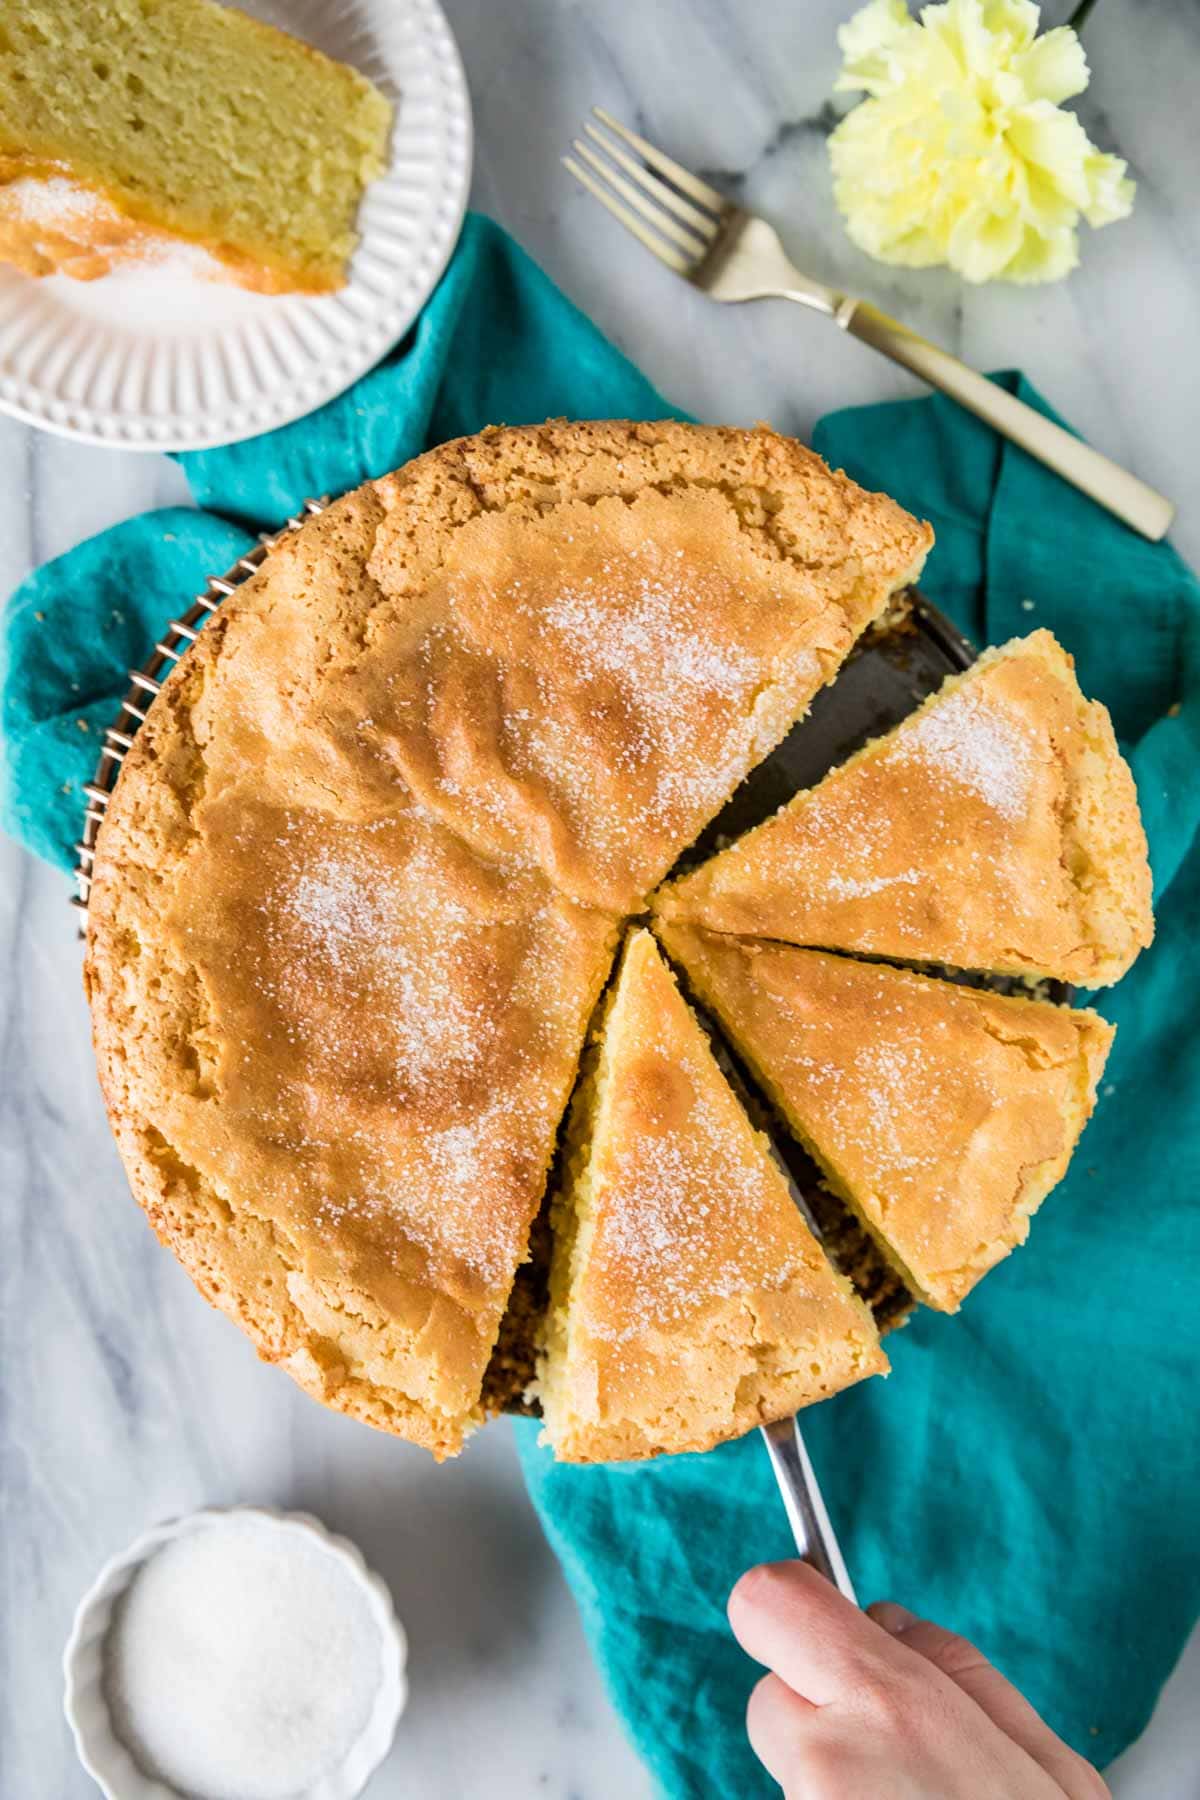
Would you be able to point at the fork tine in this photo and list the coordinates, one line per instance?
(666, 165)
(683, 209)
(665, 252)
(689, 241)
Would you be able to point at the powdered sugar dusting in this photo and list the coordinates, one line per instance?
(51, 201)
(654, 642)
(982, 747)
(663, 648)
(894, 1077)
(398, 1005)
(896, 1104)
(877, 1096)
(72, 225)
(849, 887)
(687, 1218)
(431, 999)
(338, 913)
(438, 1199)
(599, 702)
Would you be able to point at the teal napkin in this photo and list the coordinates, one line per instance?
(1028, 1474)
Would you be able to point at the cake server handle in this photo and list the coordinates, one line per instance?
(804, 1506)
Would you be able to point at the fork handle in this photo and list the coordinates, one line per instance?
(804, 1506)
(1114, 487)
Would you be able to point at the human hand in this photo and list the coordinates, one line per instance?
(887, 1705)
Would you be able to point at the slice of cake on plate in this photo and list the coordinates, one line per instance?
(997, 828)
(941, 1115)
(688, 1299)
(133, 125)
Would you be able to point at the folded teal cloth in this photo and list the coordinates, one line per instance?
(1028, 1474)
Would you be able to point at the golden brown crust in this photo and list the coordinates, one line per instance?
(689, 1300)
(592, 631)
(340, 960)
(997, 829)
(943, 1115)
(338, 1106)
(334, 1042)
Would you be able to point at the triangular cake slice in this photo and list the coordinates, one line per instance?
(941, 1115)
(336, 1054)
(997, 828)
(688, 1300)
(583, 636)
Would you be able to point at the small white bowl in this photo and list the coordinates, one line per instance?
(102, 1752)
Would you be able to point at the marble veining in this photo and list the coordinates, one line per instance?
(125, 1398)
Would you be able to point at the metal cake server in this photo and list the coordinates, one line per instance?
(814, 1535)
(816, 1542)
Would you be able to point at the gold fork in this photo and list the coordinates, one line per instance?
(733, 255)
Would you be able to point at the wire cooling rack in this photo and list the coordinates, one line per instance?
(146, 681)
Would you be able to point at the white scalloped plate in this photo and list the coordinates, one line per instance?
(155, 359)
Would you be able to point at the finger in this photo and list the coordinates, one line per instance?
(776, 1723)
(970, 1670)
(790, 1618)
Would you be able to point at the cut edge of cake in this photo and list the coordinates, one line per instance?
(241, 1260)
(1104, 852)
(575, 1214)
(1096, 1034)
(773, 484)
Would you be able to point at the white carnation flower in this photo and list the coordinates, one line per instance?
(961, 153)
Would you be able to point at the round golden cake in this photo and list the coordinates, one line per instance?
(362, 878)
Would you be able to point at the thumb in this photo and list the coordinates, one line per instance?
(970, 1670)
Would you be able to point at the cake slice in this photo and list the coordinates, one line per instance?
(688, 1299)
(336, 1049)
(586, 635)
(126, 125)
(997, 828)
(940, 1115)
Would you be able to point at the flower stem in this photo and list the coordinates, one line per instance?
(1079, 17)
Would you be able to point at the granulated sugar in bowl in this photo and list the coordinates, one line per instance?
(235, 1655)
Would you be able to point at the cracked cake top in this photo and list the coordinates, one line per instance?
(358, 886)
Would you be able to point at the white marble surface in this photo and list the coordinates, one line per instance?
(125, 1398)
